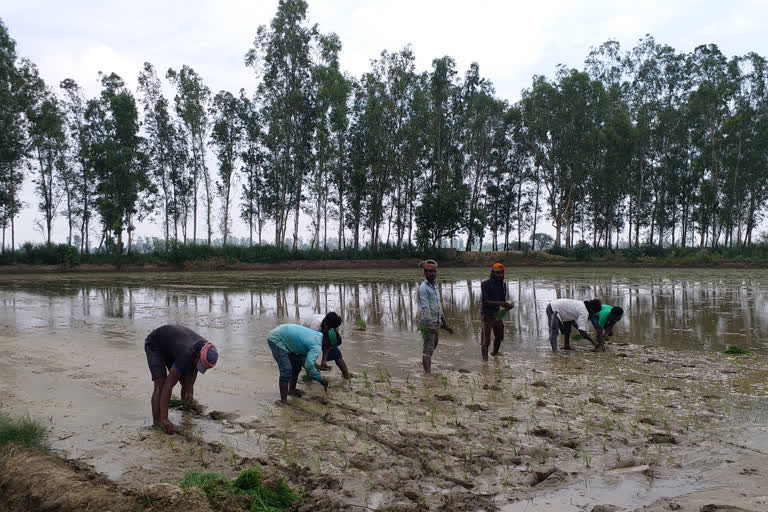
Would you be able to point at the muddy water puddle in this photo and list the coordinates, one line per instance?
(529, 429)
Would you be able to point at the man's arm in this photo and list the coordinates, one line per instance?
(309, 363)
(599, 331)
(188, 386)
(165, 397)
(587, 337)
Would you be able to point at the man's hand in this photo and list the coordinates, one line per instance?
(325, 382)
(433, 330)
(450, 330)
(167, 426)
(510, 304)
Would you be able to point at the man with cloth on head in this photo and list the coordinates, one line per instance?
(494, 297)
(563, 314)
(183, 353)
(294, 346)
(431, 317)
(329, 324)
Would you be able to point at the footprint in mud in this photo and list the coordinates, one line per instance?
(662, 438)
(220, 415)
(543, 432)
(549, 476)
(446, 398)
(653, 360)
(477, 407)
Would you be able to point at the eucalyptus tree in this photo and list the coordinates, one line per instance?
(116, 153)
(373, 126)
(711, 90)
(48, 145)
(281, 56)
(252, 195)
(162, 146)
(15, 98)
(747, 150)
(405, 139)
(227, 139)
(482, 125)
(445, 196)
(193, 101)
(331, 93)
(81, 174)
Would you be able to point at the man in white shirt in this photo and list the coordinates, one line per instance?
(563, 314)
(326, 324)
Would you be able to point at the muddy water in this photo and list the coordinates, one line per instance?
(74, 356)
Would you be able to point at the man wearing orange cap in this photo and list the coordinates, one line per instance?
(182, 352)
(494, 297)
(431, 317)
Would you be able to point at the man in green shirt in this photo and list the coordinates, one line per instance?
(604, 320)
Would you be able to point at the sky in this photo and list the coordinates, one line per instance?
(511, 40)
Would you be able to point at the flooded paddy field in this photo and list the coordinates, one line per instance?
(663, 420)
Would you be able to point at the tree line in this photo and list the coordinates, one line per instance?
(649, 144)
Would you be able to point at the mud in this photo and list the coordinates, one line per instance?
(644, 426)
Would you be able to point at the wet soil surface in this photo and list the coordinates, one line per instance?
(639, 427)
(576, 431)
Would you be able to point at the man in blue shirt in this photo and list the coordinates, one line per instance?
(294, 346)
(431, 317)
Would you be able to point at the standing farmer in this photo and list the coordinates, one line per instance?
(183, 353)
(431, 317)
(294, 346)
(494, 297)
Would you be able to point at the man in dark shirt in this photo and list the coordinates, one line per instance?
(494, 297)
(183, 353)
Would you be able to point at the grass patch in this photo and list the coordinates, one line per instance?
(264, 494)
(735, 350)
(23, 431)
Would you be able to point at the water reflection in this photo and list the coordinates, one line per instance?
(688, 309)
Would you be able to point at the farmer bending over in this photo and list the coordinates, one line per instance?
(183, 353)
(604, 320)
(325, 324)
(563, 314)
(294, 346)
(431, 313)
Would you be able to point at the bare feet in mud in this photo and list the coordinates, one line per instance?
(297, 393)
(280, 403)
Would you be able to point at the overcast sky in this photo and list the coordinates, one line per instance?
(511, 40)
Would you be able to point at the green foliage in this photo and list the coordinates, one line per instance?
(734, 350)
(273, 495)
(23, 431)
(248, 480)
